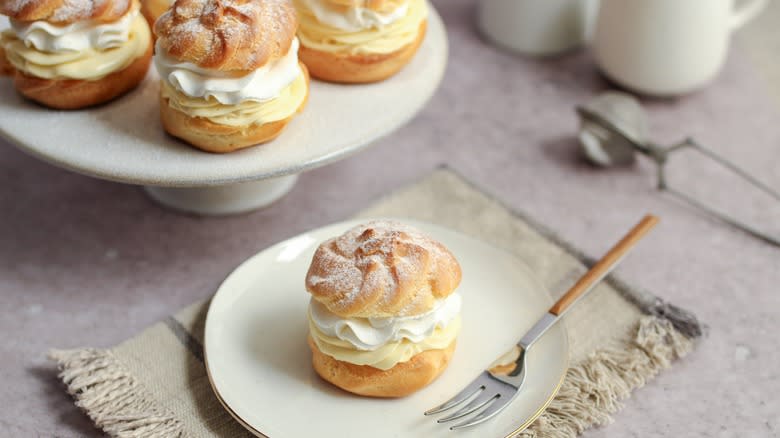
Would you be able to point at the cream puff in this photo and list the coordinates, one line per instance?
(230, 75)
(383, 315)
(357, 41)
(153, 9)
(71, 54)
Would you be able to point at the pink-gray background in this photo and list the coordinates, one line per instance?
(85, 262)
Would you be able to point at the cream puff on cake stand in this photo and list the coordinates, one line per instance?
(124, 140)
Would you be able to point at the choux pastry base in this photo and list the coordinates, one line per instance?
(356, 69)
(69, 94)
(399, 381)
(6, 69)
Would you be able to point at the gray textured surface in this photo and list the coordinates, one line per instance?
(86, 262)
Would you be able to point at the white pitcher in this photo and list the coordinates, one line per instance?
(667, 47)
(536, 27)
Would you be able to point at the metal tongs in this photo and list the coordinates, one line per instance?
(614, 128)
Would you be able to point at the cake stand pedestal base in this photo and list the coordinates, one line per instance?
(225, 199)
(125, 142)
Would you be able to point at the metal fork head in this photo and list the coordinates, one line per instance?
(487, 395)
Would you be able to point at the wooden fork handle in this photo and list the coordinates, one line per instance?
(605, 265)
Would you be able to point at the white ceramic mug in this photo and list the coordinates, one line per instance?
(536, 27)
(667, 47)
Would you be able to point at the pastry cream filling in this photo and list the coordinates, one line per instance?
(388, 38)
(355, 19)
(389, 355)
(384, 342)
(265, 83)
(83, 51)
(244, 113)
(371, 333)
(271, 93)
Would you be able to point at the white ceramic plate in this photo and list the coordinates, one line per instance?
(124, 141)
(260, 365)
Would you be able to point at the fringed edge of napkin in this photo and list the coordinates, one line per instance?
(590, 393)
(112, 397)
(593, 388)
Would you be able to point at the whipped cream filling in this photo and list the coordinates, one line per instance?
(389, 355)
(75, 37)
(368, 334)
(354, 19)
(245, 113)
(89, 64)
(260, 85)
(316, 35)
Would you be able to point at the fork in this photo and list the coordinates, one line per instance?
(497, 386)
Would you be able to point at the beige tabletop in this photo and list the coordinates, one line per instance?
(85, 262)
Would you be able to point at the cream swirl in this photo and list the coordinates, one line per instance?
(354, 19)
(260, 85)
(368, 334)
(76, 37)
(390, 354)
(90, 64)
(246, 113)
(316, 35)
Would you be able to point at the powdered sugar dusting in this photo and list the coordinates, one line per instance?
(345, 277)
(117, 7)
(228, 34)
(73, 9)
(371, 264)
(65, 12)
(16, 6)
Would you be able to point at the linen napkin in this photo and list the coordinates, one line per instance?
(155, 384)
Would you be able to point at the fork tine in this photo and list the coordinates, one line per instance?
(491, 411)
(482, 399)
(470, 389)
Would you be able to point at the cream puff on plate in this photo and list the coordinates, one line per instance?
(71, 54)
(384, 314)
(356, 41)
(230, 75)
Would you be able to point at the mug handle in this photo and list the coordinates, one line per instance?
(747, 12)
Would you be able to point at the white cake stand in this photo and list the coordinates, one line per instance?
(124, 141)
